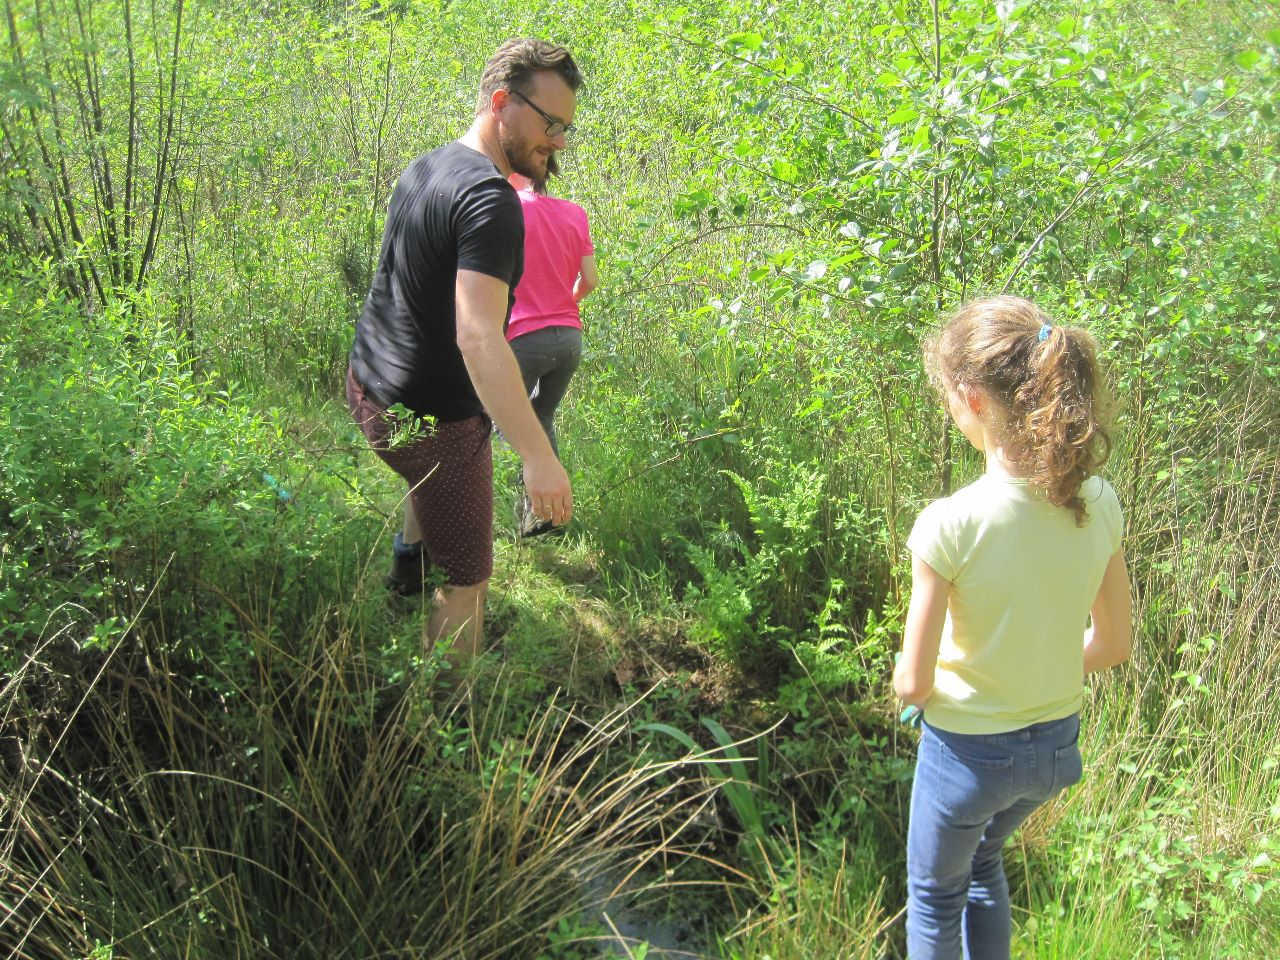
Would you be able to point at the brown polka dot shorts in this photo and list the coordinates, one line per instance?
(449, 468)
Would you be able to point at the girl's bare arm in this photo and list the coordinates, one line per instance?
(913, 676)
(1109, 640)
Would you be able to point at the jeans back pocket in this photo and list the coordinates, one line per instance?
(973, 784)
(1068, 767)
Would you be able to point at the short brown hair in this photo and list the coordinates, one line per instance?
(517, 60)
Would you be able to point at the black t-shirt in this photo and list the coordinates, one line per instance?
(451, 210)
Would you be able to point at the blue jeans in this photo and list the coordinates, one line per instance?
(971, 791)
(548, 359)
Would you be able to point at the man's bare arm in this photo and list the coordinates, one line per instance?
(481, 309)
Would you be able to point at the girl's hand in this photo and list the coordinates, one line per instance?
(911, 715)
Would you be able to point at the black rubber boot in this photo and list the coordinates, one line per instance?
(408, 573)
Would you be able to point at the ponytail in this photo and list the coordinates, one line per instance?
(1061, 439)
(1051, 404)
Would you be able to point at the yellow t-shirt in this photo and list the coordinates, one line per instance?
(1023, 577)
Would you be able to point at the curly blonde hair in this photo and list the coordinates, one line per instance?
(1052, 409)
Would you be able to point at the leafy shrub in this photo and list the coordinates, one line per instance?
(132, 489)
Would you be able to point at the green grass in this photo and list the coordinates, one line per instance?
(222, 739)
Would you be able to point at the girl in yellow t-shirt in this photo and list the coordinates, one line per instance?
(1004, 574)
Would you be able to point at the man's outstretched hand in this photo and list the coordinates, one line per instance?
(550, 495)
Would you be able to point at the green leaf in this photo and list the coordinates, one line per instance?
(888, 79)
(752, 41)
(1248, 59)
(739, 792)
(675, 733)
(785, 170)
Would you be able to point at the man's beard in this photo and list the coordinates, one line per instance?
(522, 159)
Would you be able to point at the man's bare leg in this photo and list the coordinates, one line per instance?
(457, 616)
(410, 532)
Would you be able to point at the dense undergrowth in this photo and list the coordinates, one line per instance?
(221, 739)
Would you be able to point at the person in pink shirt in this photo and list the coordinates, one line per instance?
(545, 329)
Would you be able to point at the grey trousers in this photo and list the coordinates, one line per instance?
(548, 359)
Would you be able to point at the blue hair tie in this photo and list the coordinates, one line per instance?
(1044, 332)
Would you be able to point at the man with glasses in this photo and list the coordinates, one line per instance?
(430, 338)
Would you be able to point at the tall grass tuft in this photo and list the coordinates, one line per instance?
(822, 901)
(351, 821)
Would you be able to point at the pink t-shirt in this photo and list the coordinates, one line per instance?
(556, 239)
